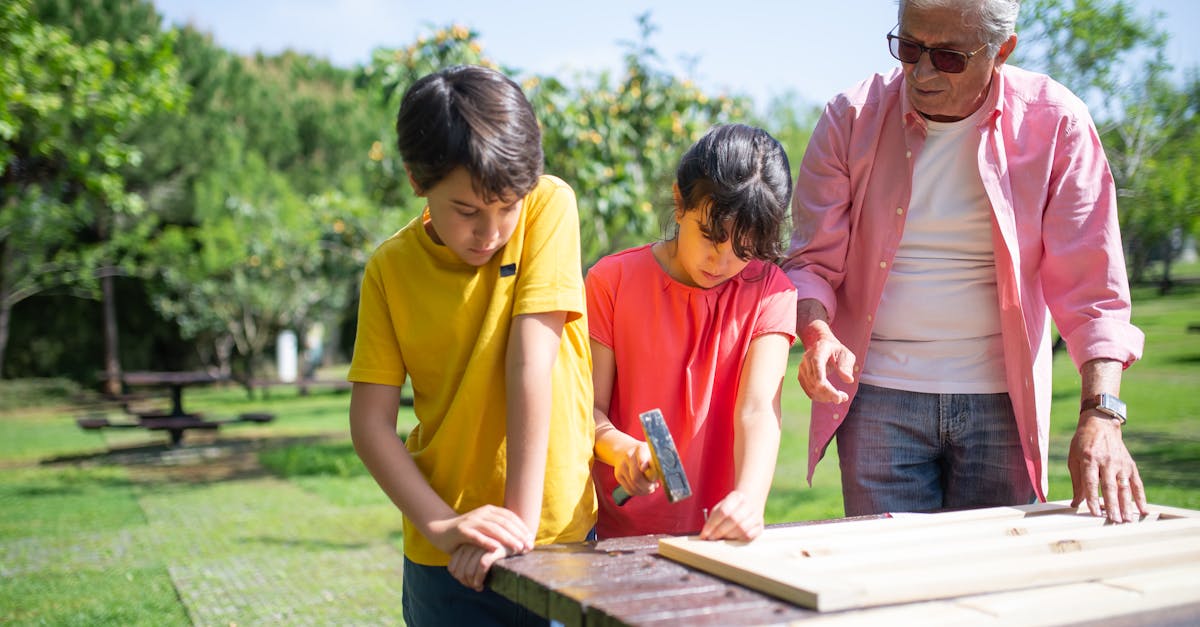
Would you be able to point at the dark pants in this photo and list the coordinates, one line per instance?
(432, 596)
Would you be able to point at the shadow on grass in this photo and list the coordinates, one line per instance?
(307, 544)
(218, 459)
(1166, 458)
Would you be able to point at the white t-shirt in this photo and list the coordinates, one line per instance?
(937, 328)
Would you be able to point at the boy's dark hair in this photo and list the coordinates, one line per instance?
(741, 174)
(472, 117)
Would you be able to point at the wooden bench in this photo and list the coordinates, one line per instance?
(175, 426)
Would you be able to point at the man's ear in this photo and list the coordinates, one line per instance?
(411, 181)
(1006, 49)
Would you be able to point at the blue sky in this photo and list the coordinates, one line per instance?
(812, 48)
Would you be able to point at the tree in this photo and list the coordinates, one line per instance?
(68, 107)
(267, 200)
(1114, 59)
(618, 142)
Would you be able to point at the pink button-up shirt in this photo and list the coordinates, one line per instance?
(1054, 227)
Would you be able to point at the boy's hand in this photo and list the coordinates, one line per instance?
(734, 518)
(469, 564)
(487, 527)
(635, 472)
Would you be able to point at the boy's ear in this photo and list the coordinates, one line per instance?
(411, 181)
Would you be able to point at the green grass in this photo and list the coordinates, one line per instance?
(113, 528)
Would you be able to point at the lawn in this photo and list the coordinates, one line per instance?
(278, 523)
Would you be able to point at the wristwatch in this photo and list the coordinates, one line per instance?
(1107, 404)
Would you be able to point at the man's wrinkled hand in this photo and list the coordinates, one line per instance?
(823, 350)
(1101, 466)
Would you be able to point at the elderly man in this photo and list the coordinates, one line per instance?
(941, 212)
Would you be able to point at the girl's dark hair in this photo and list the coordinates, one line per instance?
(472, 117)
(741, 174)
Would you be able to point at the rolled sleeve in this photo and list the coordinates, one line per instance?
(1105, 338)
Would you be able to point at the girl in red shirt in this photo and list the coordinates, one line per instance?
(698, 325)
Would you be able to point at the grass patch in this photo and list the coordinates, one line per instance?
(129, 598)
(63, 501)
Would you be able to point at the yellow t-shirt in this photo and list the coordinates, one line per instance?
(444, 324)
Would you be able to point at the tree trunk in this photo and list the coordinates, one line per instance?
(5, 315)
(112, 363)
(1165, 284)
(5, 307)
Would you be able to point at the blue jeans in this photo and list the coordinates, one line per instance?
(432, 596)
(914, 452)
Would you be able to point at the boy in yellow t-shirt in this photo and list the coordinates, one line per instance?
(480, 304)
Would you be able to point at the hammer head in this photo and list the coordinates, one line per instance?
(666, 458)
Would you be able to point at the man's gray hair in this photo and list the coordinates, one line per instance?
(996, 20)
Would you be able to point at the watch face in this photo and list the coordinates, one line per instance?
(1112, 405)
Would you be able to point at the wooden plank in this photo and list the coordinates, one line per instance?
(975, 549)
(953, 567)
(786, 545)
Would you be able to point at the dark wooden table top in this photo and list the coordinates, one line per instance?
(169, 378)
(624, 582)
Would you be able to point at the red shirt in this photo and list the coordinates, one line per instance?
(680, 349)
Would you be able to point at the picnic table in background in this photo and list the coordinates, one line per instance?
(175, 420)
(1044, 563)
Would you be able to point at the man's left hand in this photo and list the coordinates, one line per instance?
(1101, 465)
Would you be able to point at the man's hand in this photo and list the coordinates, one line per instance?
(821, 350)
(635, 471)
(1101, 465)
(734, 518)
(488, 527)
(469, 564)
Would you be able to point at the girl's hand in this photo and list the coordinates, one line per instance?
(635, 472)
(734, 518)
(488, 527)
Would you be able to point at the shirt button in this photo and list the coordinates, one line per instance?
(870, 317)
(908, 154)
(858, 368)
(837, 416)
(883, 264)
(899, 211)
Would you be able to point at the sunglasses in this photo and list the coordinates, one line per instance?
(943, 59)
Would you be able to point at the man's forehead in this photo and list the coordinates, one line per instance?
(939, 33)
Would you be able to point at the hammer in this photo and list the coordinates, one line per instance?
(664, 458)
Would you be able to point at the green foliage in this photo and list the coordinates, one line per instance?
(23, 393)
(1114, 58)
(616, 140)
(619, 140)
(68, 105)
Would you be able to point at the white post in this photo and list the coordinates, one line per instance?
(285, 356)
